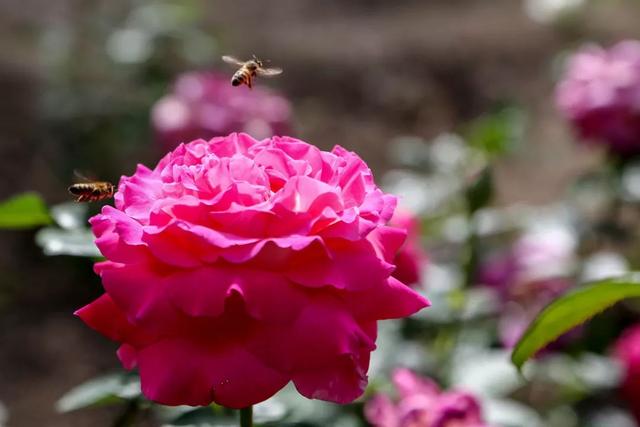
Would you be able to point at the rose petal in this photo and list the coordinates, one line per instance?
(390, 300)
(118, 236)
(140, 293)
(350, 265)
(128, 356)
(105, 317)
(204, 291)
(342, 382)
(185, 372)
(321, 333)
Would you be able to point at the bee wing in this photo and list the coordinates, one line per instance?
(232, 60)
(268, 72)
(81, 176)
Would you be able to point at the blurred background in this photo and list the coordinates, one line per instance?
(79, 80)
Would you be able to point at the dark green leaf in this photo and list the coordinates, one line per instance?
(479, 193)
(23, 211)
(572, 310)
(497, 133)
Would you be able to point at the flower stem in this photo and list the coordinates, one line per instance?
(128, 417)
(471, 261)
(246, 417)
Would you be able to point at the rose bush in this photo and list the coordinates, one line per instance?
(600, 95)
(204, 105)
(237, 265)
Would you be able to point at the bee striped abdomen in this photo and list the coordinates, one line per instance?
(241, 76)
(92, 191)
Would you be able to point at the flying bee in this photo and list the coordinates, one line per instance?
(249, 69)
(92, 191)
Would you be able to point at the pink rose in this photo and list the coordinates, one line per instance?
(627, 351)
(527, 277)
(411, 258)
(522, 306)
(600, 95)
(421, 403)
(237, 265)
(204, 105)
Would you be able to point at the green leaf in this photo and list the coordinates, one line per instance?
(497, 133)
(572, 310)
(23, 211)
(105, 390)
(480, 192)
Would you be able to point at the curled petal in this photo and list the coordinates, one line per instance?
(304, 194)
(387, 241)
(118, 236)
(136, 194)
(350, 265)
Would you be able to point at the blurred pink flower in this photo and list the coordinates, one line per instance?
(529, 276)
(523, 305)
(627, 351)
(411, 258)
(204, 105)
(600, 95)
(237, 265)
(421, 403)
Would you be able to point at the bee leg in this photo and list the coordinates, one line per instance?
(249, 82)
